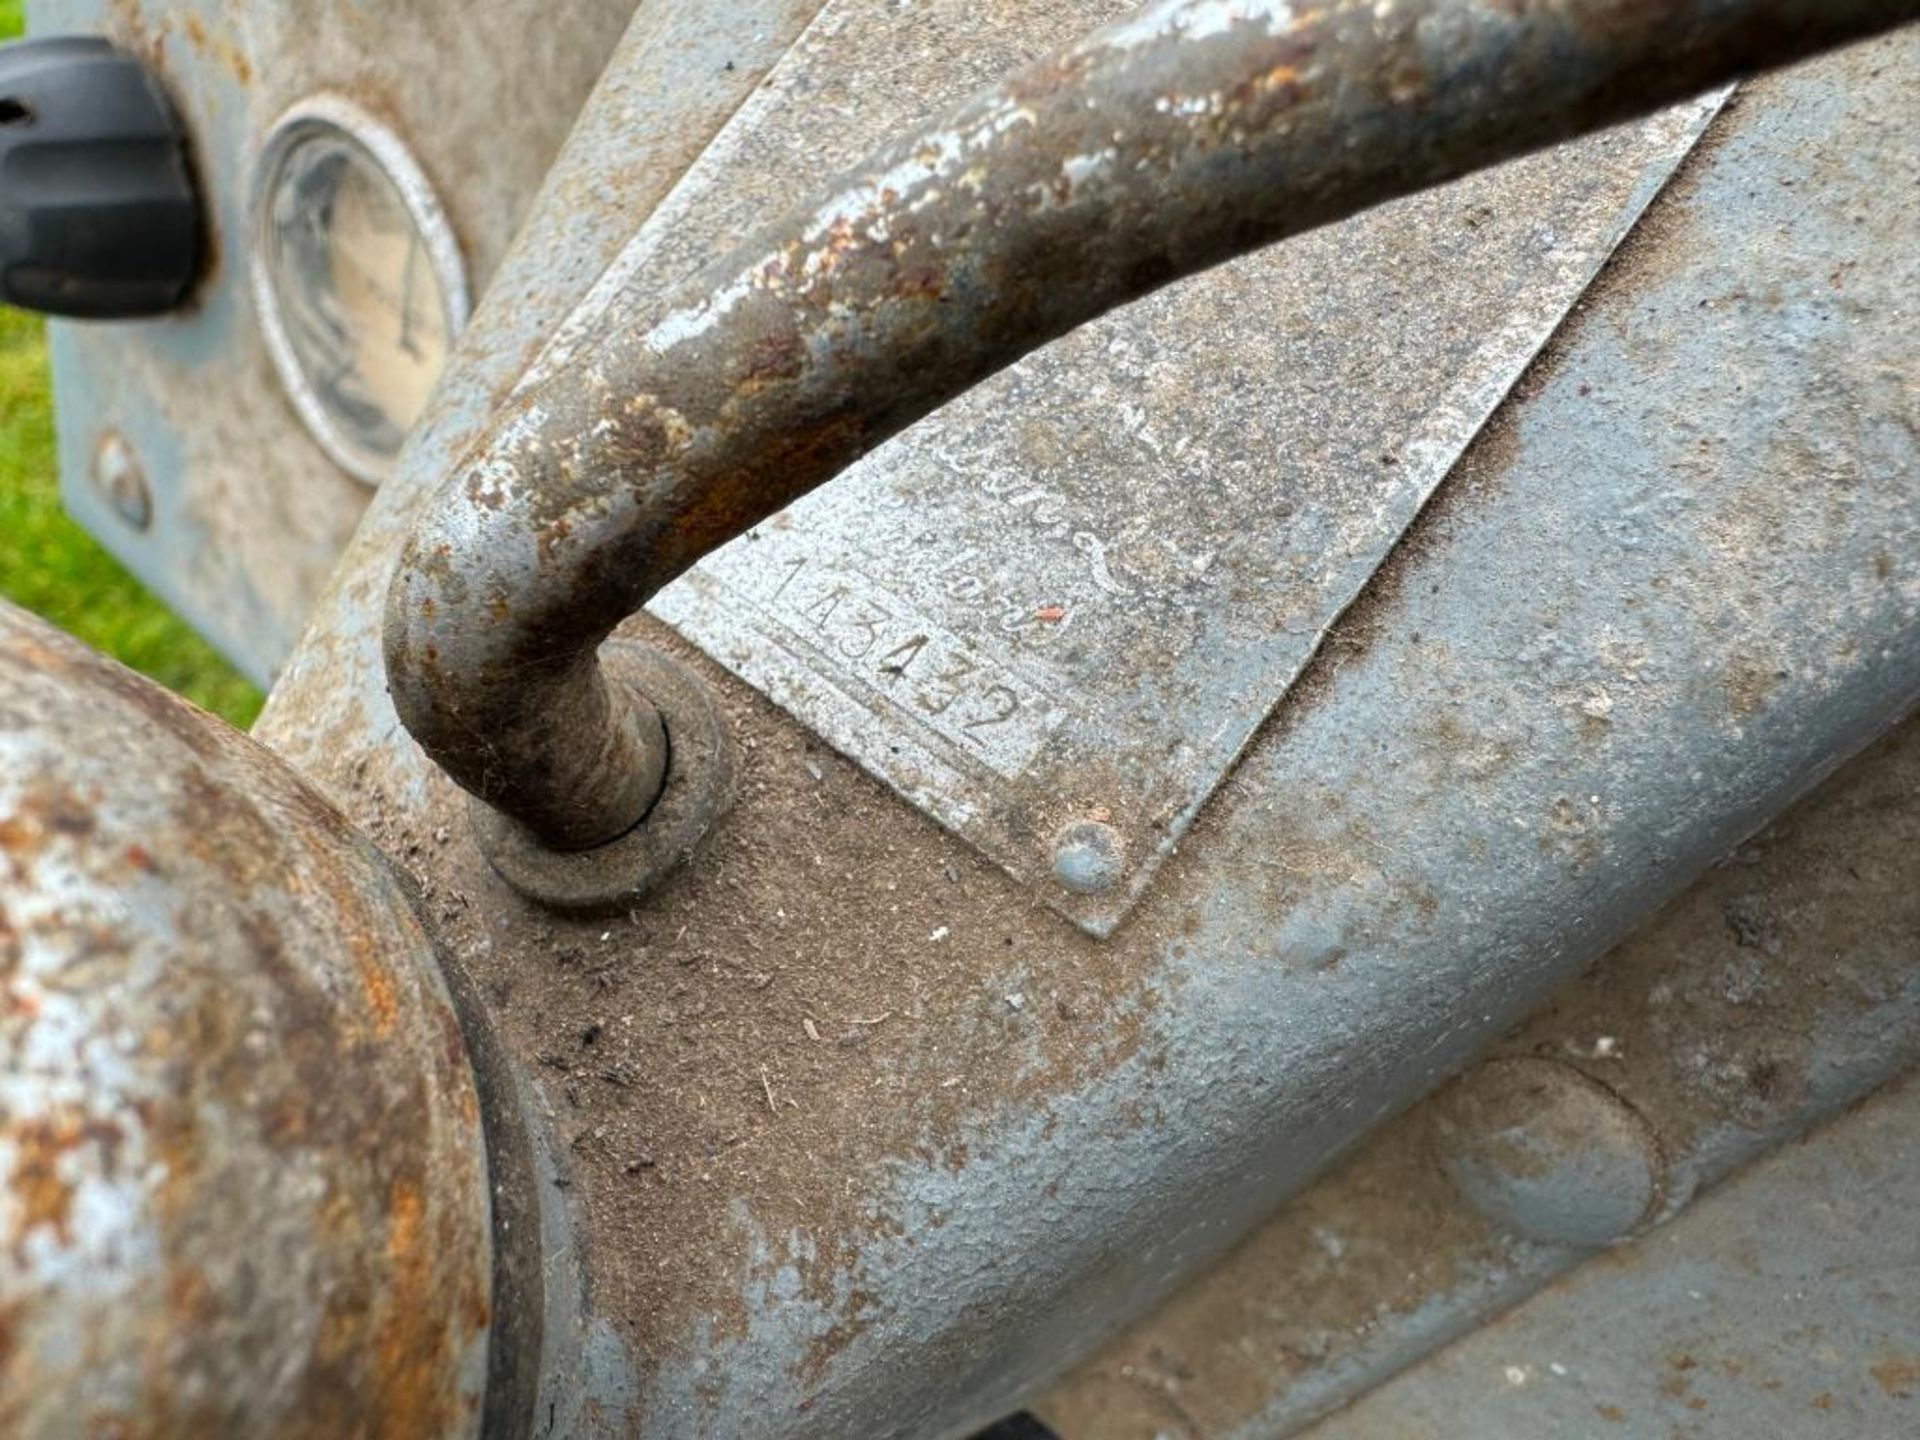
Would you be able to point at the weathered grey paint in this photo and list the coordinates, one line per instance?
(247, 515)
(1668, 590)
(1773, 995)
(1150, 150)
(1779, 1306)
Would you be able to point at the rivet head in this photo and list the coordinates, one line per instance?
(1549, 1154)
(1087, 857)
(121, 481)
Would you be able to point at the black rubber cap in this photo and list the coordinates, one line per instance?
(98, 217)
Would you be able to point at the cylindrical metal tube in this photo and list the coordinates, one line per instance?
(1197, 131)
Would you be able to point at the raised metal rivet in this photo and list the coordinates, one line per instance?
(1548, 1153)
(1086, 857)
(118, 476)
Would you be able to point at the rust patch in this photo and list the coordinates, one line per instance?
(376, 981)
(220, 48)
(43, 1195)
(283, 1072)
(1897, 1375)
(44, 815)
(412, 1351)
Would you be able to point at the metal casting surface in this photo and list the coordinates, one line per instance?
(1649, 608)
(1476, 280)
(1772, 996)
(1550, 1155)
(243, 1190)
(1024, 624)
(1162, 146)
(1780, 1307)
(680, 75)
(1783, 988)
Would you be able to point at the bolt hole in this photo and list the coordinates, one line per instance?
(15, 111)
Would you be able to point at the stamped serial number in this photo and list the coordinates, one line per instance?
(916, 666)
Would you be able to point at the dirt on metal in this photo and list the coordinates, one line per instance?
(1700, 1021)
(765, 1034)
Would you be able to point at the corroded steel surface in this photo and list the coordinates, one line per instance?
(1163, 145)
(1029, 614)
(810, 1097)
(681, 74)
(243, 1190)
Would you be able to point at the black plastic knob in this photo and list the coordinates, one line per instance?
(98, 216)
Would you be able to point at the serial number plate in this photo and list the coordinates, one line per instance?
(907, 663)
(1076, 592)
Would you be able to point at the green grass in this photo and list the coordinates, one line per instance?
(53, 567)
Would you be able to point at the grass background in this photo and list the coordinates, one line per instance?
(51, 566)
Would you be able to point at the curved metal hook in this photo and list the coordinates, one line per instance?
(1197, 131)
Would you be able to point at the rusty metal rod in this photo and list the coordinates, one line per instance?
(1192, 133)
